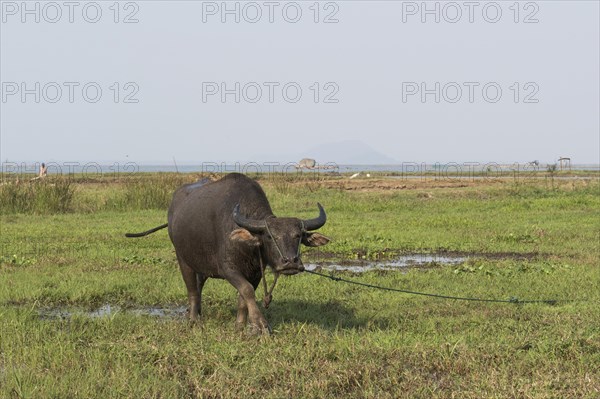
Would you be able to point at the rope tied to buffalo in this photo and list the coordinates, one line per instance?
(268, 296)
(513, 300)
(268, 293)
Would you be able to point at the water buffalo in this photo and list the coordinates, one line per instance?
(224, 229)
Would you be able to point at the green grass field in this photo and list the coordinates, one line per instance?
(63, 249)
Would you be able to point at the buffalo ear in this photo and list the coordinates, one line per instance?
(244, 236)
(314, 239)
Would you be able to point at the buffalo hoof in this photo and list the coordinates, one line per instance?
(256, 329)
(194, 318)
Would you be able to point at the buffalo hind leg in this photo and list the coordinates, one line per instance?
(194, 283)
(200, 280)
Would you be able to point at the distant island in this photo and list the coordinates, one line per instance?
(348, 152)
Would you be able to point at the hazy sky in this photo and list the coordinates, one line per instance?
(502, 83)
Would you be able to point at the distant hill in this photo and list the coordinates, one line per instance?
(347, 152)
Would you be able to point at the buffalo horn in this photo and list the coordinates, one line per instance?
(314, 224)
(254, 226)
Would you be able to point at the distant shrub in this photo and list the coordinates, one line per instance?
(43, 196)
(145, 193)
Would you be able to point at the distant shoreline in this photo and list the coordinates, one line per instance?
(408, 168)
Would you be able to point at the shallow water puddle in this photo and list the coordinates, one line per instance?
(402, 262)
(109, 310)
(359, 266)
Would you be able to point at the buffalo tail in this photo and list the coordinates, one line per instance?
(145, 233)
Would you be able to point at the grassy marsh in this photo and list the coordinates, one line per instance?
(331, 339)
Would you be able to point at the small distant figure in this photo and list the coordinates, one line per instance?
(43, 170)
(355, 175)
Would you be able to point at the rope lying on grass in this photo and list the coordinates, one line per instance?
(511, 300)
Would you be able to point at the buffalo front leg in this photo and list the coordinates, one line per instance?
(242, 314)
(247, 306)
(194, 283)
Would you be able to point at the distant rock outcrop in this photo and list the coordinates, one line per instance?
(306, 163)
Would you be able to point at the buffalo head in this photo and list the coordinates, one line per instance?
(279, 238)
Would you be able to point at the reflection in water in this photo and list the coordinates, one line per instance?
(407, 261)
